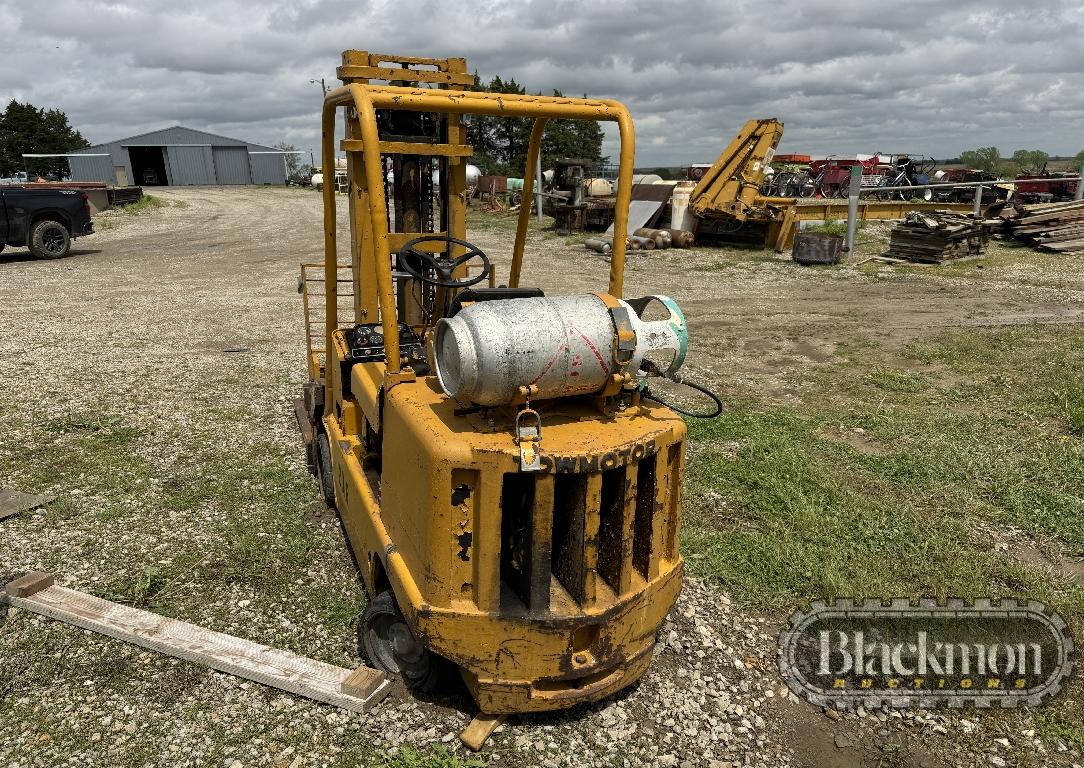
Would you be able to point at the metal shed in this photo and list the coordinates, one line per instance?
(179, 156)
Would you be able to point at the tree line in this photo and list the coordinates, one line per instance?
(500, 143)
(26, 129)
(989, 159)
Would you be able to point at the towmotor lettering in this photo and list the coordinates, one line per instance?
(597, 462)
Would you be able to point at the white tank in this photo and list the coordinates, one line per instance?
(562, 346)
(473, 174)
(598, 187)
(680, 216)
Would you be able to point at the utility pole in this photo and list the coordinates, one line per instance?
(321, 82)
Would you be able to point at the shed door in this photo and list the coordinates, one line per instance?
(231, 165)
(188, 165)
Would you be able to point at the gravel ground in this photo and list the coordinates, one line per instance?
(146, 382)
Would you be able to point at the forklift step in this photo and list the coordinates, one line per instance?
(357, 690)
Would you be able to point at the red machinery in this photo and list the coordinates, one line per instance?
(1047, 186)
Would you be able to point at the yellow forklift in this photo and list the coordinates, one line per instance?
(509, 484)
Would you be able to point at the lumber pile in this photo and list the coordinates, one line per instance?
(937, 236)
(1054, 226)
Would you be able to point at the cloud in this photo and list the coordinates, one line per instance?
(922, 76)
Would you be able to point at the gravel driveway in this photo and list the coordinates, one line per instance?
(146, 382)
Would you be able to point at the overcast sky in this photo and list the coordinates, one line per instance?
(923, 76)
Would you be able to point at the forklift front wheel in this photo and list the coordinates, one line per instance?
(323, 469)
(389, 645)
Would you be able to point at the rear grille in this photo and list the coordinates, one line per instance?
(571, 539)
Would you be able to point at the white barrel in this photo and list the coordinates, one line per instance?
(562, 346)
(681, 217)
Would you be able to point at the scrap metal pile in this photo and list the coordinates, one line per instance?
(1054, 226)
(936, 237)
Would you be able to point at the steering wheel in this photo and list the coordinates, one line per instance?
(441, 263)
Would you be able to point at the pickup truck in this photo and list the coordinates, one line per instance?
(44, 220)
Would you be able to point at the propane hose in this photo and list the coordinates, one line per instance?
(647, 394)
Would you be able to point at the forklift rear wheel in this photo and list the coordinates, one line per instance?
(389, 645)
(323, 469)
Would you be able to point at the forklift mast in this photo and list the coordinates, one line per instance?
(423, 157)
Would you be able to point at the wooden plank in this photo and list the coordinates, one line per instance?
(13, 502)
(29, 584)
(362, 683)
(234, 655)
(479, 729)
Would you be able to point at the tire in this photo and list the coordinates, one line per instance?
(2, 247)
(319, 187)
(387, 642)
(807, 187)
(49, 240)
(323, 470)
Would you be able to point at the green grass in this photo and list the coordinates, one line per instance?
(145, 204)
(833, 227)
(1074, 408)
(437, 757)
(874, 486)
(884, 480)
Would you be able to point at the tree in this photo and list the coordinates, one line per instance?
(985, 159)
(25, 129)
(1079, 159)
(292, 159)
(500, 143)
(1030, 160)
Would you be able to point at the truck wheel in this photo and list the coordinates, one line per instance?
(49, 240)
(323, 469)
(386, 641)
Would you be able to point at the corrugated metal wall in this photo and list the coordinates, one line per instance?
(268, 169)
(190, 165)
(92, 169)
(231, 165)
(191, 157)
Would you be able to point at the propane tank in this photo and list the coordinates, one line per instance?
(598, 244)
(562, 346)
(644, 242)
(660, 236)
(681, 238)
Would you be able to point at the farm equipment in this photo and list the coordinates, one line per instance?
(729, 202)
(830, 177)
(1047, 186)
(508, 482)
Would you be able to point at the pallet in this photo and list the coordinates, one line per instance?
(357, 690)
